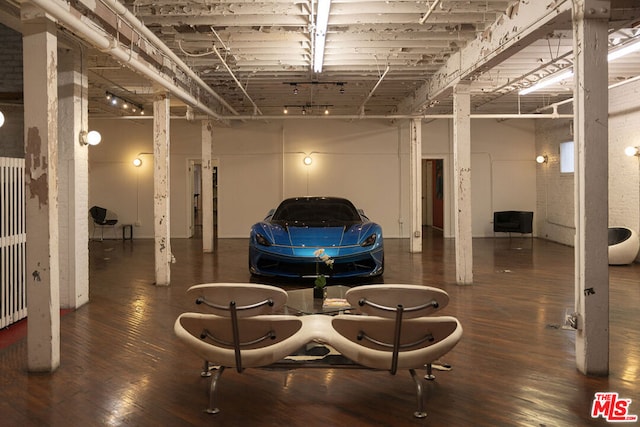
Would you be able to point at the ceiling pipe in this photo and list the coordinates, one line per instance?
(255, 107)
(131, 19)
(361, 109)
(429, 12)
(70, 21)
(101, 42)
(403, 116)
(360, 117)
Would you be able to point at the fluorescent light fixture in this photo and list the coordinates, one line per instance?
(624, 51)
(547, 82)
(322, 20)
(617, 53)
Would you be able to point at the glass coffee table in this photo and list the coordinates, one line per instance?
(302, 302)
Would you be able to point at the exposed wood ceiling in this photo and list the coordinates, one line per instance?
(257, 55)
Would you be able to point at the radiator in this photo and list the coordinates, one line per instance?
(13, 237)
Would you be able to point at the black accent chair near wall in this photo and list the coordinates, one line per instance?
(103, 218)
(513, 222)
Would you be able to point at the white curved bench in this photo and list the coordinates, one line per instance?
(395, 330)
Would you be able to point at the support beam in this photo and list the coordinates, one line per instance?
(591, 185)
(207, 187)
(462, 183)
(73, 179)
(415, 185)
(40, 59)
(161, 190)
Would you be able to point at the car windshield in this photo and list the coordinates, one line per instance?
(316, 212)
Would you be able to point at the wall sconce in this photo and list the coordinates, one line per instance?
(632, 151)
(1, 119)
(542, 159)
(90, 138)
(307, 160)
(137, 162)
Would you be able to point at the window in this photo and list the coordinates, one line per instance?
(566, 157)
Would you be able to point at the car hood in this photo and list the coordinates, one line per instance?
(316, 237)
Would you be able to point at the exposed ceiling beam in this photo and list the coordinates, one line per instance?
(515, 30)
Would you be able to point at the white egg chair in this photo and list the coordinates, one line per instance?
(623, 245)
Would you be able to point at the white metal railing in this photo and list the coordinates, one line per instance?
(13, 237)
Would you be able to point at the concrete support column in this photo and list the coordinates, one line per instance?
(415, 185)
(73, 179)
(462, 183)
(161, 190)
(207, 187)
(590, 18)
(40, 59)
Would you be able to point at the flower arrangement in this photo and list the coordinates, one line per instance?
(321, 256)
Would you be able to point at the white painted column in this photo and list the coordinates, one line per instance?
(73, 179)
(462, 183)
(415, 185)
(161, 190)
(590, 121)
(40, 61)
(207, 187)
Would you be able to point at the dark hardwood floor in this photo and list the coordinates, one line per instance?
(515, 366)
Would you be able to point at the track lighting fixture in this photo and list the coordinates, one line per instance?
(124, 103)
(307, 108)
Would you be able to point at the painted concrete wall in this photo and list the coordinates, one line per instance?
(260, 164)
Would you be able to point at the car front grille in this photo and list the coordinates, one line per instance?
(301, 269)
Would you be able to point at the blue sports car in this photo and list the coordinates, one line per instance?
(311, 236)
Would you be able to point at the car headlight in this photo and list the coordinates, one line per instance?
(261, 240)
(369, 240)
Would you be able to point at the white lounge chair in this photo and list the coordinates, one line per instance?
(395, 331)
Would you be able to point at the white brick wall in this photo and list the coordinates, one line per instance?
(555, 219)
(624, 176)
(555, 202)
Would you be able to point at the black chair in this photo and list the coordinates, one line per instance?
(103, 218)
(513, 222)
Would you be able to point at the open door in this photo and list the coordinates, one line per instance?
(433, 193)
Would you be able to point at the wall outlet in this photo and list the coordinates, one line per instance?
(138, 224)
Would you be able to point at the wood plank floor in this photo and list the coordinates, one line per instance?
(122, 365)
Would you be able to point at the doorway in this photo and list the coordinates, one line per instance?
(433, 193)
(195, 201)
